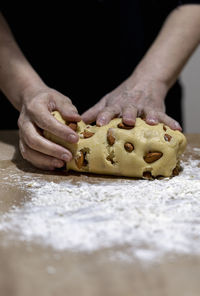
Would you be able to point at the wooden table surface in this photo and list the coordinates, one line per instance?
(25, 269)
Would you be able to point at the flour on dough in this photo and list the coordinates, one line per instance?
(142, 151)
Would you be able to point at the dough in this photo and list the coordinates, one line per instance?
(141, 151)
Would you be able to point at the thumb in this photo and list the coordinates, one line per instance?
(67, 109)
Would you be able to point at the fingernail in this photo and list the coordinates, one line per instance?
(66, 157)
(57, 163)
(101, 122)
(76, 114)
(153, 121)
(129, 121)
(72, 138)
(177, 125)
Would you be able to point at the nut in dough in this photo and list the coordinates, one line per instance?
(142, 151)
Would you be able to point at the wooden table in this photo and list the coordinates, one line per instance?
(26, 269)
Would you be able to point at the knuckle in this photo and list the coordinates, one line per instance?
(149, 111)
(68, 111)
(113, 109)
(30, 141)
(129, 97)
(68, 100)
(152, 112)
(108, 110)
(132, 96)
(102, 113)
(132, 106)
(34, 105)
(30, 107)
(42, 120)
(45, 95)
(51, 105)
(129, 108)
(106, 97)
(161, 114)
(54, 151)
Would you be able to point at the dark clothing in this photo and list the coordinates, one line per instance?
(87, 48)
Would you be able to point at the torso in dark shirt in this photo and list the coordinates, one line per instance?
(87, 48)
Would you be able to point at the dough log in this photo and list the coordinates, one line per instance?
(142, 151)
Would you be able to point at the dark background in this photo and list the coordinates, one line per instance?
(85, 49)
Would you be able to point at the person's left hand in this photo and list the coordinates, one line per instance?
(133, 98)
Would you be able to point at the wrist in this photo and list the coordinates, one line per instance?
(151, 72)
(17, 85)
(143, 81)
(31, 90)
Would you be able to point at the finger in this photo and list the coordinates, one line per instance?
(151, 116)
(38, 159)
(129, 115)
(34, 140)
(173, 124)
(107, 114)
(91, 114)
(67, 109)
(43, 119)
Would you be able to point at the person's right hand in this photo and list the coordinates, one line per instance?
(35, 116)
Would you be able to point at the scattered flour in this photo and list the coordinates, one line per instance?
(152, 218)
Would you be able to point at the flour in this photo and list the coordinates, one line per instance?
(150, 218)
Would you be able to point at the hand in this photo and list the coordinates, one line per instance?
(133, 98)
(36, 116)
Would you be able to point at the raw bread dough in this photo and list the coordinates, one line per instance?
(143, 151)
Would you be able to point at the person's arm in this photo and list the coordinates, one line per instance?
(35, 101)
(16, 74)
(143, 93)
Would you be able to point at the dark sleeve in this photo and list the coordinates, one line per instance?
(182, 2)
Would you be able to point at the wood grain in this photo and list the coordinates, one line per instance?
(27, 269)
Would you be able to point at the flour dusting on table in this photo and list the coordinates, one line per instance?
(152, 218)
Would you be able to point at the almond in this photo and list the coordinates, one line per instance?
(110, 137)
(164, 128)
(80, 160)
(128, 147)
(73, 126)
(167, 137)
(87, 134)
(152, 156)
(124, 126)
(175, 171)
(147, 175)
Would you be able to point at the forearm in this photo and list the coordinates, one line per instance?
(175, 43)
(16, 74)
